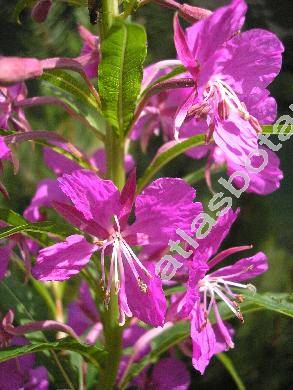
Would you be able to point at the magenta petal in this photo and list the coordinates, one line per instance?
(13, 372)
(164, 206)
(5, 152)
(127, 198)
(183, 51)
(236, 138)
(4, 260)
(82, 313)
(38, 379)
(16, 69)
(208, 35)
(256, 59)
(209, 245)
(184, 304)
(244, 269)
(263, 182)
(97, 199)
(77, 218)
(63, 260)
(223, 330)
(182, 112)
(221, 343)
(150, 306)
(59, 163)
(203, 340)
(170, 374)
(47, 192)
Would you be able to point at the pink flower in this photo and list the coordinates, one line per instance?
(263, 182)
(100, 210)
(8, 113)
(206, 287)
(19, 373)
(48, 190)
(91, 47)
(227, 67)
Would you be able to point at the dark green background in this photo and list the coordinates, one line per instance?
(262, 354)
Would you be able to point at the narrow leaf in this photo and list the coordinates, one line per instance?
(228, 364)
(120, 72)
(58, 230)
(69, 84)
(167, 153)
(91, 353)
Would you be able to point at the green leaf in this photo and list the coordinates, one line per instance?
(278, 302)
(198, 175)
(167, 153)
(228, 364)
(273, 129)
(91, 353)
(120, 72)
(20, 225)
(67, 83)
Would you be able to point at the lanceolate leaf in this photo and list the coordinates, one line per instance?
(55, 229)
(228, 364)
(120, 72)
(67, 83)
(167, 153)
(91, 353)
(278, 302)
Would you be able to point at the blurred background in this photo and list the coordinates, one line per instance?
(263, 356)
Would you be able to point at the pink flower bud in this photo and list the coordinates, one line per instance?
(16, 69)
(193, 14)
(40, 10)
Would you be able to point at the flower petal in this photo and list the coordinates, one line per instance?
(203, 339)
(184, 53)
(63, 260)
(4, 259)
(170, 374)
(244, 269)
(150, 306)
(263, 182)
(59, 163)
(47, 192)
(164, 206)
(257, 53)
(210, 244)
(208, 35)
(97, 199)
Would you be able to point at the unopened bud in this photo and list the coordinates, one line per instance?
(16, 69)
(193, 14)
(40, 10)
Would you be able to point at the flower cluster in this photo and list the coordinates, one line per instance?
(118, 233)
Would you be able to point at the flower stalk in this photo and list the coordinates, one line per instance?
(115, 171)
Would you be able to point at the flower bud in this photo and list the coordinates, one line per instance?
(40, 10)
(16, 69)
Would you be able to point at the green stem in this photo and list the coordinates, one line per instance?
(115, 171)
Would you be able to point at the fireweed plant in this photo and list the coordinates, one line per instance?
(118, 321)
